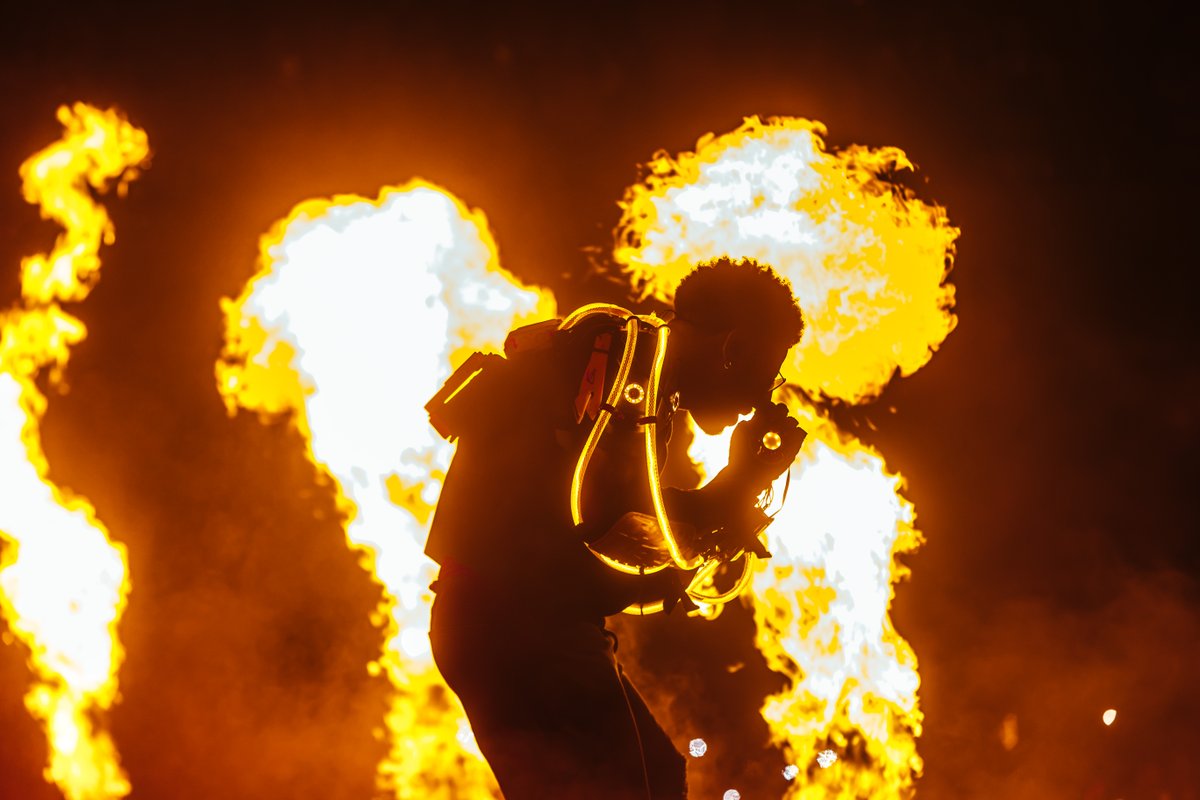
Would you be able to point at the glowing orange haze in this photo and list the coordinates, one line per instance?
(358, 312)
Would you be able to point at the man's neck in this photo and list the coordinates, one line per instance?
(668, 382)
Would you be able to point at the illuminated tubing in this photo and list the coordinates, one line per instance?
(650, 429)
(705, 572)
(660, 509)
(591, 309)
(614, 395)
(645, 609)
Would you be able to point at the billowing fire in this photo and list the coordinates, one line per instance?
(357, 314)
(867, 259)
(868, 262)
(63, 581)
(361, 307)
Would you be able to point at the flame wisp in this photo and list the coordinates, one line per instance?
(63, 581)
(357, 313)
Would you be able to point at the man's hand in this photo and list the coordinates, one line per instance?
(764, 446)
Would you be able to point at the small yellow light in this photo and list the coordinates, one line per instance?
(634, 393)
(1009, 733)
(772, 440)
(1109, 716)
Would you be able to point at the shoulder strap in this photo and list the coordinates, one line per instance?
(530, 338)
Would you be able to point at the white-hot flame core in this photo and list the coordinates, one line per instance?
(68, 620)
(360, 310)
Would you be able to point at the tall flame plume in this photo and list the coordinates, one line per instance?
(868, 263)
(358, 311)
(63, 581)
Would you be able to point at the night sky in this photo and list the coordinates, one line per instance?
(1048, 446)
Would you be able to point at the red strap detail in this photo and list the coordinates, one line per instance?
(591, 385)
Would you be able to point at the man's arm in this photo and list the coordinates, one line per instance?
(724, 512)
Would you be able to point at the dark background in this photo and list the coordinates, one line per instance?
(1049, 445)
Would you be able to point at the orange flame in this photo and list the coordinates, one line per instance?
(868, 262)
(357, 313)
(63, 582)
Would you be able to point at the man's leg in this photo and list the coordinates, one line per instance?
(546, 703)
(666, 768)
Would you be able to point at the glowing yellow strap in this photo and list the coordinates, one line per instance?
(642, 609)
(612, 563)
(591, 309)
(628, 569)
(660, 509)
(706, 572)
(693, 591)
(650, 431)
(602, 418)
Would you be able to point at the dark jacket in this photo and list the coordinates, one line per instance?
(503, 518)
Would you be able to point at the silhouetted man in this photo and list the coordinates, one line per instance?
(518, 627)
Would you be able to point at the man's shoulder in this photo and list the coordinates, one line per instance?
(545, 345)
(532, 338)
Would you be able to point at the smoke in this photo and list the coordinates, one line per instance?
(249, 635)
(1052, 671)
(706, 680)
(1044, 671)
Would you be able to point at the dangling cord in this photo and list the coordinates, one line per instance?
(770, 494)
(707, 570)
(637, 733)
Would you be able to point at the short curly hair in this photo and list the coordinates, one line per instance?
(723, 294)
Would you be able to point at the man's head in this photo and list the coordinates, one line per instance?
(734, 323)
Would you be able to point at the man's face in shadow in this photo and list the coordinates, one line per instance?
(725, 375)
